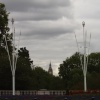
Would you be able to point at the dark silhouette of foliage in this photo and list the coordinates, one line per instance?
(3, 19)
(71, 71)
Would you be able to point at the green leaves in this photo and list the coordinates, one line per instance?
(3, 19)
(71, 71)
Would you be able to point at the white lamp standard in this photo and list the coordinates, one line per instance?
(85, 61)
(13, 58)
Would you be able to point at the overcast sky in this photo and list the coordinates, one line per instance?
(48, 26)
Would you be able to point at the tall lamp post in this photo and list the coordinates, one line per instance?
(13, 59)
(85, 58)
(84, 61)
(13, 67)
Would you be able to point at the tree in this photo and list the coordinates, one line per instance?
(4, 29)
(68, 68)
(94, 62)
(71, 71)
(43, 80)
(5, 70)
(23, 70)
(3, 19)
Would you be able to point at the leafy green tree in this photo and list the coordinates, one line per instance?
(3, 19)
(94, 62)
(23, 70)
(67, 68)
(5, 37)
(76, 82)
(5, 71)
(43, 80)
(71, 71)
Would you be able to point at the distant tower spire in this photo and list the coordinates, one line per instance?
(50, 71)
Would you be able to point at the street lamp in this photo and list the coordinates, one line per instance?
(85, 61)
(13, 58)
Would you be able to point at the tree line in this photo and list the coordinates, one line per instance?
(70, 71)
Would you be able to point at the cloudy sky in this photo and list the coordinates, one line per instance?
(48, 26)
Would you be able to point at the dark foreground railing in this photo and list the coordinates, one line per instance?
(48, 97)
(48, 92)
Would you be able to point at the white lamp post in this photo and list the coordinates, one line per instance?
(13, 58)
(85, 61)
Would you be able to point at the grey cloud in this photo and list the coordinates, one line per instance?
(39, 9)
(47, 14)
(50, 32)
(25, 5)
(17, 5)
(47, 29)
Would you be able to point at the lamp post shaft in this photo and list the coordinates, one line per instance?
(13, 59)
(13, 82)
(85, 66)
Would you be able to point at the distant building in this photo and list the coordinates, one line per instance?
(50, 71)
